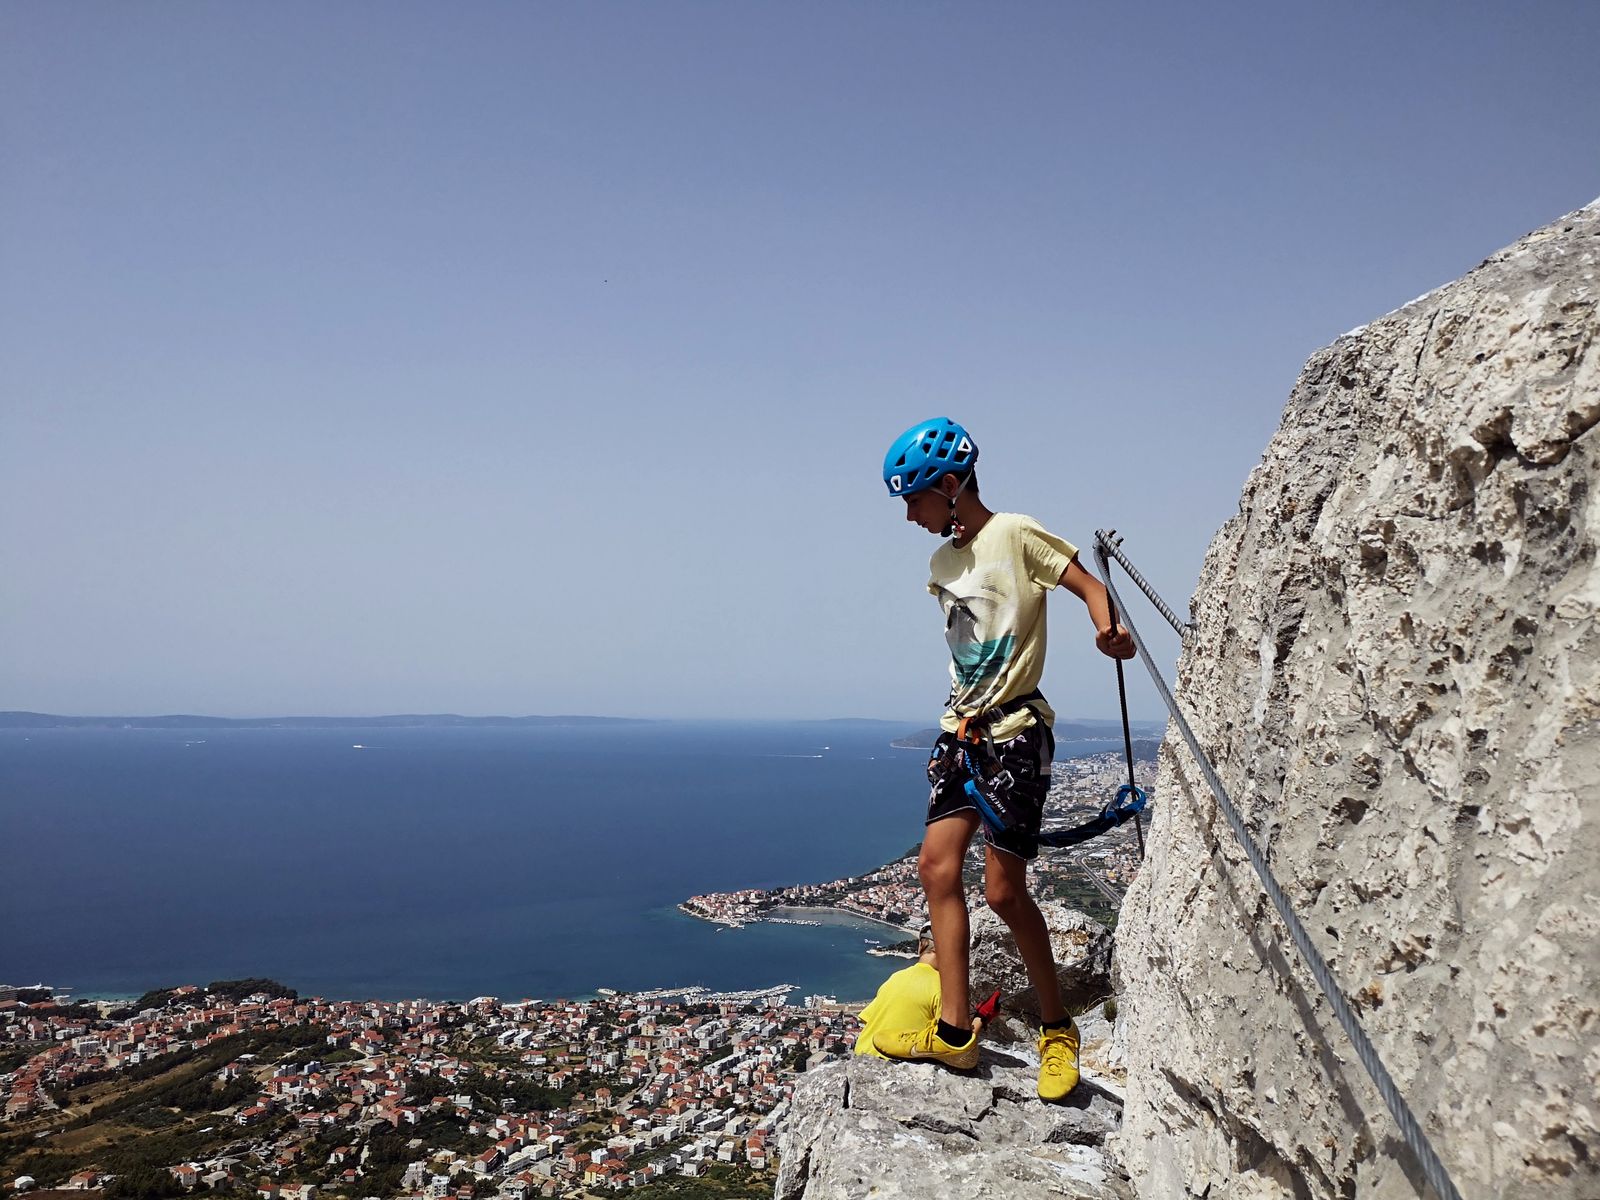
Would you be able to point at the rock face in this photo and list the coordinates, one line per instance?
(867, 1127)
(1397, 675)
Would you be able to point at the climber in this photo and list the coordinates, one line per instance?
(907, 1000)
(991, 580)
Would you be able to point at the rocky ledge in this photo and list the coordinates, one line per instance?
(867, 1127)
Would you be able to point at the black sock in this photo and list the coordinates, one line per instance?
(951, 1036)
(1064, 1023)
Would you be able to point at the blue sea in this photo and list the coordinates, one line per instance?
(442, 863)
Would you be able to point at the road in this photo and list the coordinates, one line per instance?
(1088, 873)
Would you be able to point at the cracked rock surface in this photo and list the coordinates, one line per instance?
(866, 1127)
(1396, 672)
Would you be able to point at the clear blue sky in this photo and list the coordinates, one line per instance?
(520, 358)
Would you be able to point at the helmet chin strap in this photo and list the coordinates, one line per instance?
(953, 528)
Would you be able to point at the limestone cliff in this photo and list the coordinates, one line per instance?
(1397, 673)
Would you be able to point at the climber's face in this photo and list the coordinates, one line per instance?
(930, 508)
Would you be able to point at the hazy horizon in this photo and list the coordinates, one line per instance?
(179, 714)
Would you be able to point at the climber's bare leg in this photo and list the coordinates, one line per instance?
(944, 849)
(1005, 880)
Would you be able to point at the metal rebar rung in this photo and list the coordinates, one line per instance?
(1107, 542)
(1433, 1171)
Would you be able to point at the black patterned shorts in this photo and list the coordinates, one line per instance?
(1027, 757)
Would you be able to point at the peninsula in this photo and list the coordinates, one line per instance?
(1091, 876)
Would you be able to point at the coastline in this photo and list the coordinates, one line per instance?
(730, 922)
(848, 916)
(797, 914)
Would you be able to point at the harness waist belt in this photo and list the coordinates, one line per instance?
(990, 715)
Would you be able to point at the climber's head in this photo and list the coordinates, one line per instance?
(930, 466)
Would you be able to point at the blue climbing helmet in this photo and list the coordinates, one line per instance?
(929, 449)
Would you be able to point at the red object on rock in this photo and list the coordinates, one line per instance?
(988, 1008)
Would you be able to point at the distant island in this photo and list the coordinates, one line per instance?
(32, 720)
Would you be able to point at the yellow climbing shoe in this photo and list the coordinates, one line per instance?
(927, 1044)
(1058, 1062)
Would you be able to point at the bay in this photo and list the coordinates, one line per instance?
(445, 863)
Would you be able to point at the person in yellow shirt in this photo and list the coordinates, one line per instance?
(908, 1001)
(990, 768)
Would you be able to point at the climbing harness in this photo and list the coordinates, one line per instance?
(971, 748)
(989, 784)
(1107, 546)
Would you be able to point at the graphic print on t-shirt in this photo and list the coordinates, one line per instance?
(992, 594)
(989, 608)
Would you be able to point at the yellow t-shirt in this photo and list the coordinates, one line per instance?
(992, 591)
(908, 999)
